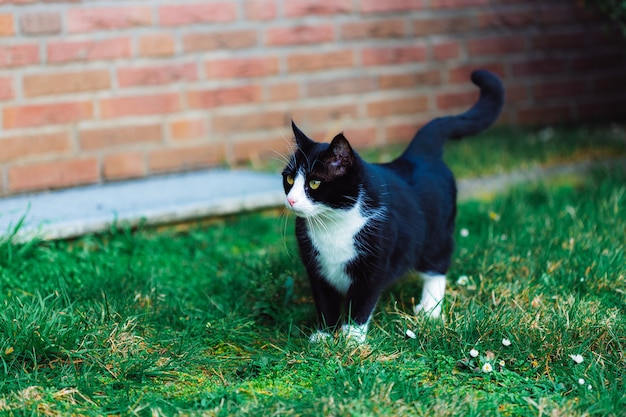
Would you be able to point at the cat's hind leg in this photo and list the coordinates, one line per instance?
(432, 294)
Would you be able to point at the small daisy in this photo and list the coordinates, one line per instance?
(502, 363)
(474, 353)
(577, 358)
(464, 232)
(487, 368)
(589, 387)
(581, 381)
(506, 342)
(409, 333)
(462, 280)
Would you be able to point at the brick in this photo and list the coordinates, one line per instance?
(538, 66)
(300, 8)
(232, 39)
(107, 18)
(320, 114)
(443, 25)
(340, 86)
(156, 74)
(188, 128)
(316, 61)
(443, 51)
(156, 45)
(18, 55)
(456, 4)
(6, 24)
(401, 133)
(46, 114)
(264, 120)
(412, 79)
(362, 137)
(259, 149)
(498, 45)
(40, 23)
(540, 115)
(601, 60)
(65, 82)
(393, 55)
(139, 105)
(554, 41)
(105, 49)
(462, 74)
(260, 9)
(605, 109)
(508, 19)
(377, 29)
(610, 83)
(456, 100)
(124, 165)
(284, 91)
(175, 159)
(6, 88)
(56, 174)
(187, 14)
(300, 34)
(119, 136)
(560, 88)
(397, 106)
(15, 148)
(390, 6)
(225, 96)
(242, 67)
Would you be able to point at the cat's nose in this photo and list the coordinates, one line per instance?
(291, 201)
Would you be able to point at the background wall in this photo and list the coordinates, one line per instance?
(92, 91)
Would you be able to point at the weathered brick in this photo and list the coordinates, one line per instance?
(119, 136)
(242, 67)
(225, 96)
(511, 19)
(412, 79)
(393, 55)
(298, 8)
(188, 128)
(300, 34)
(315, 115)
(560, 88)
(555, 41)
(6, 24)
(340, 86)
(157, 45)
(397, 106)
(497, 45)
(40, 23)
(124, 165)
(6, 88)
(54, 174)
(65, 82)
(538, 66)
(260, 9)
(443, 25)
(379, 28)
(446, 50)
(187, 14)
(283, 91)
(13, 149)
(18, 55)
(29, 115)
(139, 105)
(105, 49)
(543, 114)
(462, 73)
(228, 39)
(456, 4)
(175, 159)
(316, 61)
(390, 6)
(107, 18)
(259, 149)
(157, 74)
(456, 100)
(252, 121)
(403, 132)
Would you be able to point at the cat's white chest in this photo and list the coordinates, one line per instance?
(333, 236)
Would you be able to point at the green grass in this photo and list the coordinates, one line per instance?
(214, 319)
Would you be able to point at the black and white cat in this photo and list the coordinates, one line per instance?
(361, 226)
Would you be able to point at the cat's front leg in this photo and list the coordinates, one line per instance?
(432, 294)
(360, 303)
(328, 304)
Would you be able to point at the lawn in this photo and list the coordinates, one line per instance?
(214, 318)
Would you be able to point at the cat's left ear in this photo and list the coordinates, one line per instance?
(302, 140)
(340, 157)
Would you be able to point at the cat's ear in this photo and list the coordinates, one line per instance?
(302, 140)
(340, 156)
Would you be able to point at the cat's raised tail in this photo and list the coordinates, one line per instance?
(429, 140)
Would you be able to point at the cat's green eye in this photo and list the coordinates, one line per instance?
(314, 184)
(289, 179)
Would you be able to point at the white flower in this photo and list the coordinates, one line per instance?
(506, 342)
(474, 353)
(589, 387)
(462, 280)
(464, 232)
(502, 363)
(409, 333)
(577, 358)
(487, 367)
(581, 381)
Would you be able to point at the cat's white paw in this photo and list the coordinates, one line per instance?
(433, 312)
(354, 333)
(320, 336)
(432, 295)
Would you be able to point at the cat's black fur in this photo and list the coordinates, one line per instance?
(409, 205)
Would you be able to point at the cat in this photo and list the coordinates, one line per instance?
(360, 226)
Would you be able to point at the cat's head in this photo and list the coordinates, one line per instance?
(320, 176)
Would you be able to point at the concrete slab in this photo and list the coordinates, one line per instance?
(166, 199)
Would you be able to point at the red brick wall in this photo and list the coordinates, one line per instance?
(92, 91)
